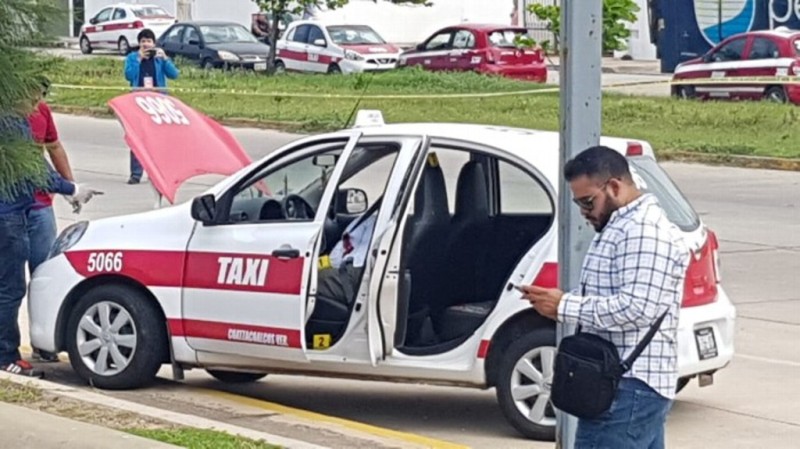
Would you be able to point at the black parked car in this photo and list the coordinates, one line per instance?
(215, 44)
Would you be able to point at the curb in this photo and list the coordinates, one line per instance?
(152, 412)
(730, 160)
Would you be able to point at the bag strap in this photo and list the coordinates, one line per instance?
(626, 365)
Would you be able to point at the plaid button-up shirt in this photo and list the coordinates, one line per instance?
(633, 273)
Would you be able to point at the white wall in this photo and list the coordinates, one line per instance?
(396, 23)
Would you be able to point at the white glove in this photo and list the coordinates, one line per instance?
(81, 196)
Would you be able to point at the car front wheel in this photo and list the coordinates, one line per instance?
(776, 94)
(116, 338)
(523, 384)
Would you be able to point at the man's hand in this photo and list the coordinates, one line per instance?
(81, 196)
(544, 300)
(160, 53)
(142, 53)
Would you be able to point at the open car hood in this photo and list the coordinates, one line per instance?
(174, 142)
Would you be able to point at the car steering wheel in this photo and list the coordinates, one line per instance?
(295, 206)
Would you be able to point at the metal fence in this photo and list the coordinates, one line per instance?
(538, 28)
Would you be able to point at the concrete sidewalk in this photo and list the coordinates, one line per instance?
(23, 427)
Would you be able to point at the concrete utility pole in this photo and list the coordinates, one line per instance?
(581, 96)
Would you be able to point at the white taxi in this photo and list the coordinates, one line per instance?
(232, 282)
(116, 27)
(312, 46)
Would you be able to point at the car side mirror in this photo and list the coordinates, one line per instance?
(420, 47)
(355, 201)
(93, 20)
(320, 43)
(204, 209)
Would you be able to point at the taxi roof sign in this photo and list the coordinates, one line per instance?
(369, 117)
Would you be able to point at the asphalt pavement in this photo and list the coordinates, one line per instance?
(753, 403)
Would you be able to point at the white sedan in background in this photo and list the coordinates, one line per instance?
(116, 27)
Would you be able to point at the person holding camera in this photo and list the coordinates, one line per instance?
(148, 68)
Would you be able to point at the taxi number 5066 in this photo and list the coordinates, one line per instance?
(162, 110)
(104, 262)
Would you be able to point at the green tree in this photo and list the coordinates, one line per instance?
(616, 13)
(279, 8)
(21, 75)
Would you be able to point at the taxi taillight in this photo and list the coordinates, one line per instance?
(138, 24)
(794, 69)
(702, 276)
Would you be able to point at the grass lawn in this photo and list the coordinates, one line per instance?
(723, 128)
(200, 439)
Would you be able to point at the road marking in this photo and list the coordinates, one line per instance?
(756, 358)
(313, 416)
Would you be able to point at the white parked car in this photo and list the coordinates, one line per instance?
(116, 27)
(228, 282)
(311, 46)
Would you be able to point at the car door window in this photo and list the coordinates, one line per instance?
(520, 193)
(104, 15)
(290, 191)
(315, 33)
(191, 34)
(174, 35)
(439, 42)
(464, 39)
(764, 48)
(301, 34)
(732, 51)
(119, 14)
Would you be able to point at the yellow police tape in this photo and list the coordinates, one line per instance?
(766, 80)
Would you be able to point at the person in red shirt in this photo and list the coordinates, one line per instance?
(41, 224)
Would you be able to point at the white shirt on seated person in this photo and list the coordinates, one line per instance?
(359, 235)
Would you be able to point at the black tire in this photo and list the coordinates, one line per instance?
(685, 92)
(123, 47)
(207, 64)
(334, 69)
(147, 328)
(776, 94)
(86, 46)
(542, 339)
(235, 377)
(280, 68)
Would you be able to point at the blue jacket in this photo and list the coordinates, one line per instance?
(23, 192)
(164, 69)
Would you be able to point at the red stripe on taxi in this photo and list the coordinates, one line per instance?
(239, 333)
(204, 270)
(306, 57)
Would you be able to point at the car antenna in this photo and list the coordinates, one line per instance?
(358, 101)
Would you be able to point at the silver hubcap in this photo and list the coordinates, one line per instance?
(85, 44)
(123, 46)
(776, 97)
(106, 338)
(530, 385)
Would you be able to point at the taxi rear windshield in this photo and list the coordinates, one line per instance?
(147, 12)
(653, 179)
(506, 38)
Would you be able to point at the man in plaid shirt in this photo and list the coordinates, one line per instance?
(632, 274)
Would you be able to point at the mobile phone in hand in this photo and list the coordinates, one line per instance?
(151, 53)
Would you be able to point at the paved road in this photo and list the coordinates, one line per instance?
(753, 403)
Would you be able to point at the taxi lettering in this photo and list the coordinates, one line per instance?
(264, 338)
(242, 271)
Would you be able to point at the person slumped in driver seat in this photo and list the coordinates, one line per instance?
(340, 272)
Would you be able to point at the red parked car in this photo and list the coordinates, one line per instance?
(756, 54)
(489, 49)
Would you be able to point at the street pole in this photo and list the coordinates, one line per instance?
(581, 95)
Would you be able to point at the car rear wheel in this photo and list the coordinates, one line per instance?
(116, 338)
(334, 69)
(775, 94)
(123, 46)
(235, 377)
(523, 384)
(86, 46)
(685, 92)
(280, 68)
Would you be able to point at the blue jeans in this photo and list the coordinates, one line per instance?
(136, 167)
(41, 235)
(635, 420)
(14, 250)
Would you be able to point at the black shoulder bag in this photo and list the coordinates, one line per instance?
(588, 370)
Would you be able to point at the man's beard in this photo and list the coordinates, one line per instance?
(609, 209)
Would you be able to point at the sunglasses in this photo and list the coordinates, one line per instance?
(587, 203)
